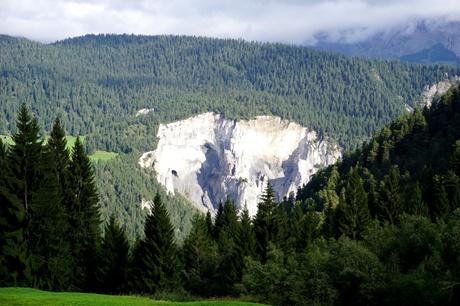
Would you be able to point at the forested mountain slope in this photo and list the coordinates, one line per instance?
(381, 227)
(97, 83)
(411, 165)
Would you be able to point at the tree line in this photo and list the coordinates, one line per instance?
(379, 227)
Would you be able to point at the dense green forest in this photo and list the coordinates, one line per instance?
(380, 227)
(96, 84)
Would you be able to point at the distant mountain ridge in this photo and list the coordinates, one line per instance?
(438, 54)
(399, 42)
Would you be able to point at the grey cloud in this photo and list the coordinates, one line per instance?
(288, 21)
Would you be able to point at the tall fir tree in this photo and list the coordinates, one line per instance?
(230, 252)
(34, 251)
(309, 228)
(201, 258)
(56, 147)
(246, 237)
(265, 222)
(113, 267)
(417, 206)
(445, 207)
(4, 213)
(355, 211)
(218, 221)
(84, 218)
(390, 197)
(57, 143)
(18, 185)
(159, 265)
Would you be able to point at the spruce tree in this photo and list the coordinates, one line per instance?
(218, 221)
(445, 208)
(113, 267)
(230, 218)
(18, 185)
(57, 151)
(390, 198)
(309, 228)
(159, 264)
(230, 252)
(3, 215)
(84, 218)
(209, 223)
(200, 258)
(281, 227)
(355, 212)
(417, 206)
(34, 251)
(49, 250)
(246, 237)
(264, 222)
(294, 224)
(57, 143)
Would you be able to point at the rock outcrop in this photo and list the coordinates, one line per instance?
(208, 157)
(437, 90)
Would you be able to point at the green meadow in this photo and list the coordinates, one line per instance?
(97, 156)
(26, 296)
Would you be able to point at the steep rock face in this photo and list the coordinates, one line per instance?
(437, 90)
(208, 157)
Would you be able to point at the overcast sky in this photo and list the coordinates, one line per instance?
(287, 21)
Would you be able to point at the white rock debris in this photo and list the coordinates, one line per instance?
(144, 111)
(208, 157)
(437, 90)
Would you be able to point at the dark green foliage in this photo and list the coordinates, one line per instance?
(201, 258)
(355, 212)
(114, 259)
(265, 222)
(246, 238)
(123, 186)
(61, 155)
(35, 252)
(390, 198)
(213, 254)
(18, 185)
(409, 259)
(85, 219)
(158, 265)
(231, 265)
(267, 282)
(416, 204)
(309, 228)
(218, 221)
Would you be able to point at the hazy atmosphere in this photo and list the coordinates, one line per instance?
(287, 21)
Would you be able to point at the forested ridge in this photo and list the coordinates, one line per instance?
(380, 227)
(96, 84)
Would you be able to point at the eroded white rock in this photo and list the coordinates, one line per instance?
(208, 157)
(438, 89)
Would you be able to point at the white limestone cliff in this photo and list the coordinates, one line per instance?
(438, 89)
(208, 157)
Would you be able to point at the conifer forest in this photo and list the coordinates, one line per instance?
(379, 227)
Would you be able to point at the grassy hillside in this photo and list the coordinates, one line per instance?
(26, 296)
(96, 156)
